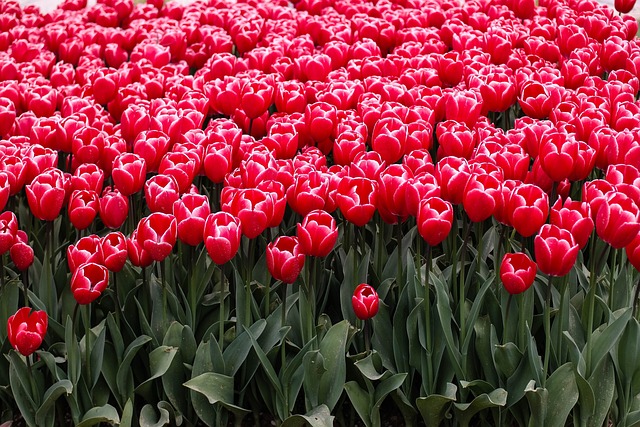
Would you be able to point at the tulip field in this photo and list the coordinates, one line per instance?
(320, 213)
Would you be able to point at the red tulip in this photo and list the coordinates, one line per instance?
(624, 6)
(285, 258)
(152, 146)
(21, 253)
(181, 167)
(138, 255)
(87, 249)
(365, 301)
(434, 220)
(114, 208)
(161, 192)
(157, 234)
(114, 251)
(480, 196)
(308, 192)
(317, 233)
(517, 272)
(357, 199)
(389, 138)
(617, 220)
(191, 212)
(26, 330)
(253, 207)
(528, 208)
(575, 217)
(222, 235)
(8, 230)
(88, 282)
(46, 194)
(83, 208)
(88, 176)
(128, 172)
(556, 250)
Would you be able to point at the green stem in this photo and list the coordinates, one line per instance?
(505, 321)
(86, 314)
(561, 318)
(427, 320)
(399, 277)
(247, 302)
(547, 332)
(463, 256)
(222, 316)
(612, 281)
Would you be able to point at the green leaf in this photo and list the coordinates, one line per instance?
(603, 380)
(124, 377)
(361, 401)
(97, 351)
(434, 408)
(201, 364)
(562, 397)
(127, 414)
(474, 312)
(466, 411)
(159, 361)
(74, 359)
(237, 351)
(317, 417)
(370, 365)
(383, 389)
(602, 341)
(217, 388)
(333, 349)
(537, 398)
(149, 417)
(100, 414)
(443, 307)
(18, 377)
(266, 365)
(49, 399)
(627, 354)
(507, 357)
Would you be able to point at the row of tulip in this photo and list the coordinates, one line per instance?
(318, 211)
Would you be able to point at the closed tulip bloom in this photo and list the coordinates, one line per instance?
(129, 173)
(8, 230)
(285, 258)
(88, 282)
(308, 192)
(157, 234)
(46, 194)
(528, 209)
(365, 301)
(254, 208)
(138, 255)
(114, 251)
(317, 233)
(222, 235)
(21, 252)
(191, 212)
(453, 173)
(480, 194)
(434, 220)
(26, 330)
(161, 192)
(557, 155)
(83, 208)
(575, 217)
(556, 250)
(114, 208)
(389, 139)
(357, 199)
(624, 6)
(517, 272)
(87, 249)
(617, 220)
(181, 167)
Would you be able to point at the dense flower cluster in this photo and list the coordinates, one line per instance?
(219, 116)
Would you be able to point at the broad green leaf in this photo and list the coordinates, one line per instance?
(149, 417)
(333, 349)
(387, 386)
(475, 312)
(97, 351)
(74, 358)
(563, 395)
(382, 330)
(18, 377)
(434, 408)
(485, 347)
(466, 411)
(369, 366)
(627, 353)
(602, 380)
(49, 399)
(317, 417)
(266, 365)
(217, 388)
(508, 358)
(202, 363)
(101, 414)
(237, 351)
(127, 414)
(361, 400)
(124, 377)
(159, 361)
(602, 341)
(446, 316)
(314, 369)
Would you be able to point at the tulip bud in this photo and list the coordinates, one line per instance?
(26, 330)
(365, 301)
(285, 258)
(88, 282)
(517, 272)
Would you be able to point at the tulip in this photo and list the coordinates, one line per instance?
(575, 217)
(528, 208)
(617, 220)
(161, 192)
(8, 230)
(480, 196)
(253, 207)
(83, 208)
(21, 252)
(308, 192)
(517, 272)
(128, 172)
(317, 233)
(389, 138)
(88, 282)
(138, 256)
(152, 146)
(26, 330)
(46, 194)
(114, 251)
(87, 249)
(157, 234)
(365, 301)
(191, 212)
(624, 6)
(357, 199)
(556, 250)
(222, 235)
(88, 176)
(114, 208)
(434, 220)
(285, 259)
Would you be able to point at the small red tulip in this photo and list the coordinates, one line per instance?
(8, 230)
(222, 235)
(88, 282)
(285, 258)
(517, 272)
(617, 220)
(114, 251)
(434, 219)
(114, 208)
(26, 330)
(46, 194)
(21, 253)
(365, 301)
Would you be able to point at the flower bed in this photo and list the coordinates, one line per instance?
(318, 210)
